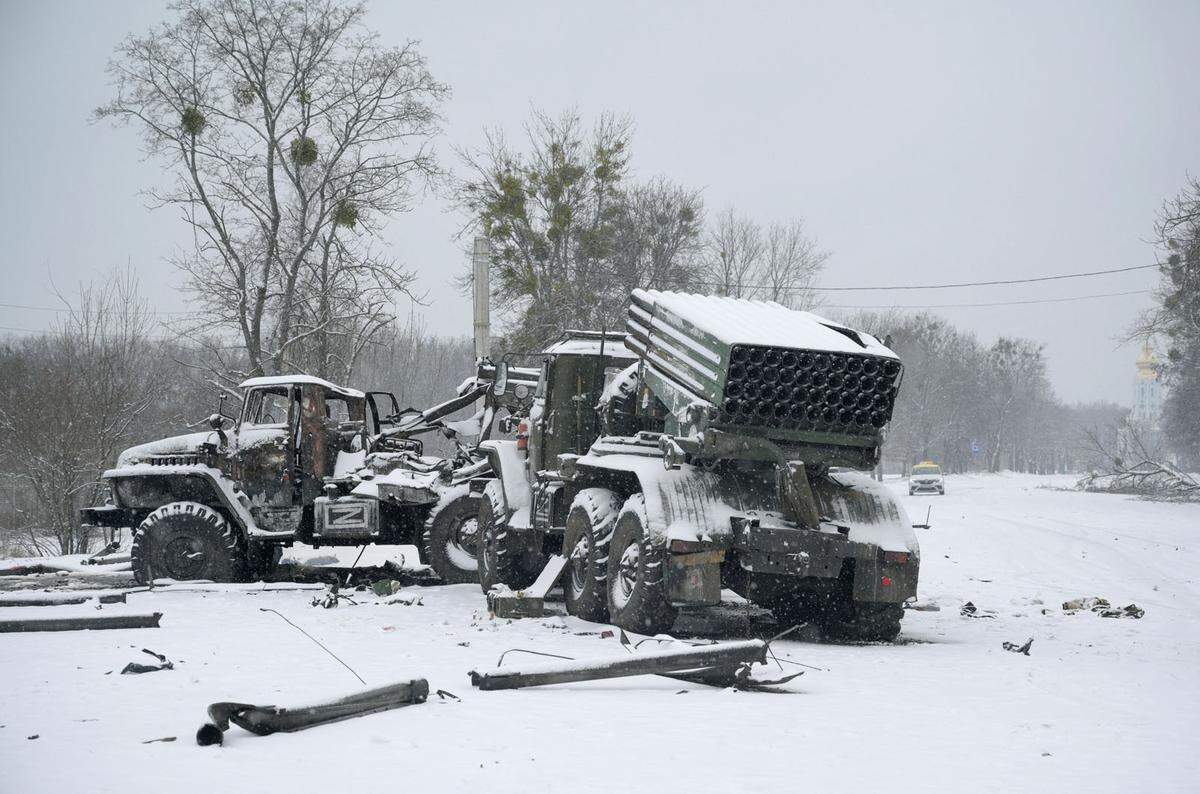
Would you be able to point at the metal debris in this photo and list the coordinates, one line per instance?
(969, 610)
(265, 720)
(702, 664)
(54, 600)
(83, 623)
(1012, 646)
(133, 668)
(1103, 608)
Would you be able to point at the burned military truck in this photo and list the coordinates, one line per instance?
(727, 452)
(304, 461)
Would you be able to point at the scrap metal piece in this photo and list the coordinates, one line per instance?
(133, 668)
(1024, 649)
(530, 602)
(265, 720)
(83, 623)
(729, 655)
(54, 600)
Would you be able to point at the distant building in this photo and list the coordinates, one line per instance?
(1147, 389)
(1143, 435)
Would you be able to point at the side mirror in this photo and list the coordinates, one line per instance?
(217, 423)
(221, 398)
(500, 384)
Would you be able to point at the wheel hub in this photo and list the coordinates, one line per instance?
(580, 555)
(463, 545)
(627, 573)
(184, 557)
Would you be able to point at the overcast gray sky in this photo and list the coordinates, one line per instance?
(923, 142)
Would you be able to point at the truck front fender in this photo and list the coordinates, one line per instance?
(221, 492)
(508, 464)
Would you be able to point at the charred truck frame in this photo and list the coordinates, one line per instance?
(720, 443)
(305, 460)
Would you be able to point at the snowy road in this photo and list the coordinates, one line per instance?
(1100, 705)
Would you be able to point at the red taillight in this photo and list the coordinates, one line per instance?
(523, 435)
(887, 581)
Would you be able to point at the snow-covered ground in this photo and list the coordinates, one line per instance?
(1099, 705)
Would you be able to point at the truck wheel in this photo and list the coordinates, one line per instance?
(637, 587)
(588, 532)
(451, 537)
(503, 556)
(866, 622)
(186, 540)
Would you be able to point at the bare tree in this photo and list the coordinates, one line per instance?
(735, 251)
(1014, 380)
(791, 263)
(292, 135)
(71, 400)
(657, 242)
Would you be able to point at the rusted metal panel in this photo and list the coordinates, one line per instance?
(316, 457)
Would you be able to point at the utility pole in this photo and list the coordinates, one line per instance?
(480, 262)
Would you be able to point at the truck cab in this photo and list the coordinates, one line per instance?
(220, 504)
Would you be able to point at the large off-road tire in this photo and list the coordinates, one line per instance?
(588, 533)
(451, 537)
(864, 622)
(504, 556)
(637, 587)
(186, 540)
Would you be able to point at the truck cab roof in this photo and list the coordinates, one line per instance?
(589, 343)
(288, 380)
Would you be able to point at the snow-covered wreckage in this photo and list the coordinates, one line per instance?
(305, 461)
(720, 443)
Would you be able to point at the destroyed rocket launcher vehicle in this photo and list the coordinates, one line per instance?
(721, 443)
(305, 461)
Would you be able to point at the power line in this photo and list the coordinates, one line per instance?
(46, 331)
(833, 306)
(994, 303)
(64, 309)
(1032, 280)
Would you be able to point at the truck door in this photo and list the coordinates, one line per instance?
(384, 410)
(331, 422)
(264, 454)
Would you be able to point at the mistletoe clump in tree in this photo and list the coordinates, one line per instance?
(571, 234)
(291, 134)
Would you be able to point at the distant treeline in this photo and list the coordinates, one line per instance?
(971, 406)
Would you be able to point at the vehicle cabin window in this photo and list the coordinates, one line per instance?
(927, 469)
(336, 408)
(543, 379)
(268, 407)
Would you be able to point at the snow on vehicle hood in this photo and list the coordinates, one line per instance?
(172, 445)
(399, 478)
